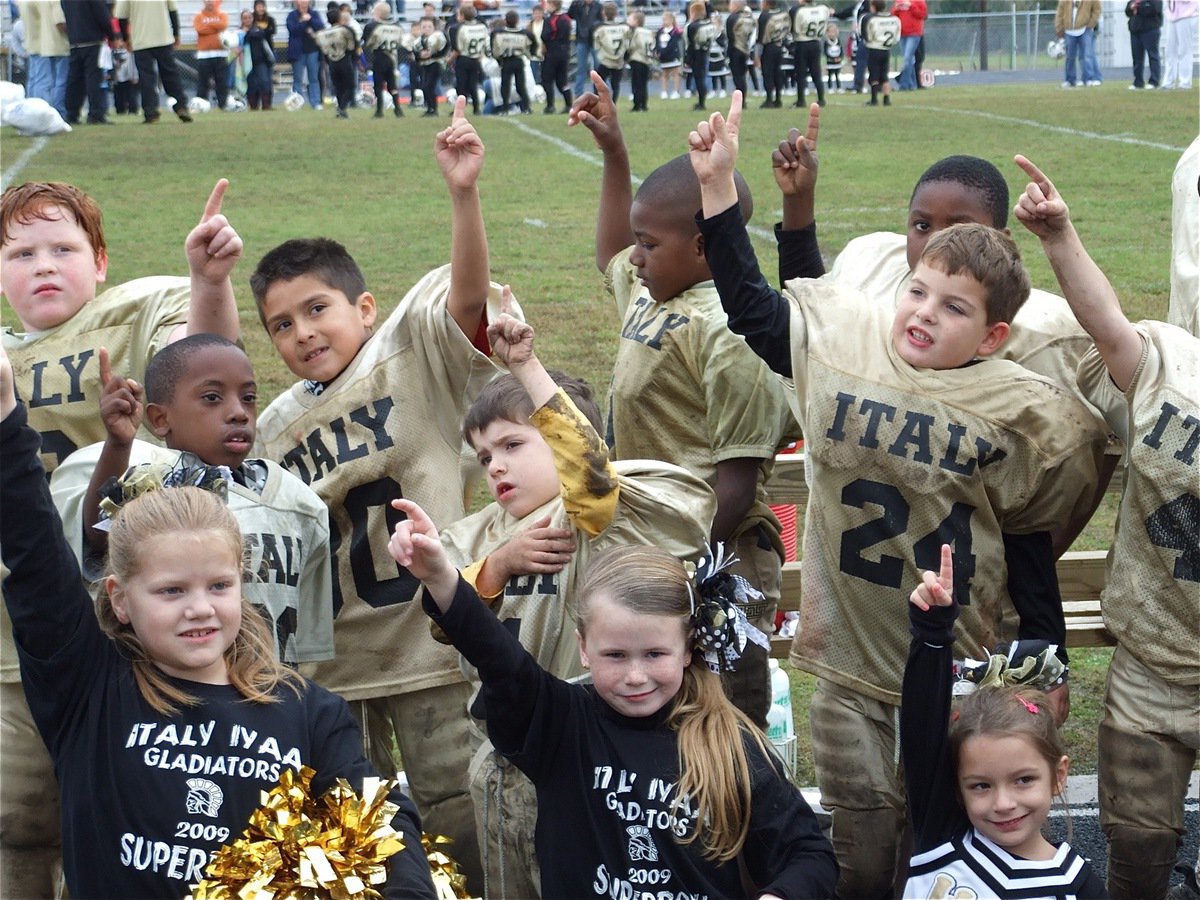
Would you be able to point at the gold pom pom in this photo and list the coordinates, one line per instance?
(297, 847)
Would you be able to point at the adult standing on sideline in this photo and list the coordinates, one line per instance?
(151, 29)
(587, 15)
(912, 15)
(857, 11)
(1182, 16)
(1145, 30)
(89, 27)
(302, 52)
(260, 84)
(49, 52)
(212, 57)
(556, 38)
(1075, 21)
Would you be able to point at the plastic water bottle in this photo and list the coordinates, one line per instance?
(780, 726)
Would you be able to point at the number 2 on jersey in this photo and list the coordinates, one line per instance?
(954, 529)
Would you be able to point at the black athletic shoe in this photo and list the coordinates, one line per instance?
(429, 114)
(181, 110)
(152, 118)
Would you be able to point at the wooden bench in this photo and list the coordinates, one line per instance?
(1080, 572)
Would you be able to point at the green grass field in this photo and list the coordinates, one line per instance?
(374, 185)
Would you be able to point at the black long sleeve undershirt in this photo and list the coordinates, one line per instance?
(756, 310)
(1033, 587)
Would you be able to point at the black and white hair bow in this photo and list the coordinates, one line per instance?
(720, 628)
(141, 479)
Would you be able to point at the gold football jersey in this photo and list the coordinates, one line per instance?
(57, 375)
(901, 460)
(1045, 336)
(387, 427)
(606, 505)
(1151, 599)
(688, 390)
(286, 535)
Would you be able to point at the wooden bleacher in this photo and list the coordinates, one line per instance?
(1080, 572)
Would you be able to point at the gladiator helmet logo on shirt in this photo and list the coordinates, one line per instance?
(204, 797)
(641, 845)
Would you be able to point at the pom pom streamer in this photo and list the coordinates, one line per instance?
(720, 628)
(298, 847)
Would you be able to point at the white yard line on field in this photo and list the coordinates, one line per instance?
(1061, 129)
(11, 173)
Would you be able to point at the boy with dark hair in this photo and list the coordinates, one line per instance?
(1143, 377)
(1045, 336)
(429, 50)
(469, 43)
(52, 256)
(339, 44)
(685, 388)
(384, 40)
(558, 502)
(610, 44)
(916, 436)
(375, 416)
(201, 399)
(880, 33)
(513, 46)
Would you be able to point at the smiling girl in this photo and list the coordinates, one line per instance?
(649, 781)
(980, 780)
(165, 712)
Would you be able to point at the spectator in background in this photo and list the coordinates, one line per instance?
(556, 38)
(858, 54)
(151, 29)
(587, 15)
(1181, 42)
(920, 62)
(124, 83)
(1075, 22)
(260, 47)
(302, 23)
(537, 19)
(18, 56)
(49, 52)
(89, 27)
(212, 58)
(1145, 30)
(912, 15)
